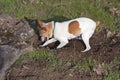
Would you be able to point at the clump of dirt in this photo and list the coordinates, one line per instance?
(105, 48)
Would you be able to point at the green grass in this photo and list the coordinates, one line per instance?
(111, 65)
(36, 55)
(86, 64)
(60, 10)
(113, 76)
(41, 55)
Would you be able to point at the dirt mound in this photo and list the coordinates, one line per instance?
(105, 48)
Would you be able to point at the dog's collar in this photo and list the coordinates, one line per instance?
(53, 28)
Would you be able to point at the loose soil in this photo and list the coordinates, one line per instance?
(105, 48)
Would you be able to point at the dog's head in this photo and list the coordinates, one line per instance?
(45, 30)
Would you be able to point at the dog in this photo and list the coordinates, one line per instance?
(64, 31)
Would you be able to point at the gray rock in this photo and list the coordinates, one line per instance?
(16, 38)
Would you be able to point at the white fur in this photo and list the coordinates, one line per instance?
(62, 35)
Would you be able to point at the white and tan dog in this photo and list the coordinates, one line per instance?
(64, 31)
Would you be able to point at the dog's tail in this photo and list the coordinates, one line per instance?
(97, 23)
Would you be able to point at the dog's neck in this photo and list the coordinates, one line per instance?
(53, 28)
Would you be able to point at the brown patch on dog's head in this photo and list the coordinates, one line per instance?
(45, 29)
(74, 28)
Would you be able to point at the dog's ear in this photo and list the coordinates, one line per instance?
(40, 23)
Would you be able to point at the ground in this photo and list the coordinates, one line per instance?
(97, 64)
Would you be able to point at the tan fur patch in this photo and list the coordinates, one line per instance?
(46, 31)
(74, 28)
(49, 29)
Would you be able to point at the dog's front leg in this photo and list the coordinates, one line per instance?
(63, 42)
(48, 42)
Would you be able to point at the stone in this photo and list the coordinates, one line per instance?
(16, 37)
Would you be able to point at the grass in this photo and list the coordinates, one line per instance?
(113, 74)
(41, 55)
(86, 64)
(60, 10)
(53, 62)
(37, 55)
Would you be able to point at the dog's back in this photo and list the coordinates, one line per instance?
(71, 28)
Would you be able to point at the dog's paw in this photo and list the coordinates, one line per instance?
(83, 51)
(87, 49)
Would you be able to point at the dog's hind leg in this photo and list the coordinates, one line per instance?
(86, 37)
(86, 42)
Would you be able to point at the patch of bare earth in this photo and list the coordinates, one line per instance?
(105, 48)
